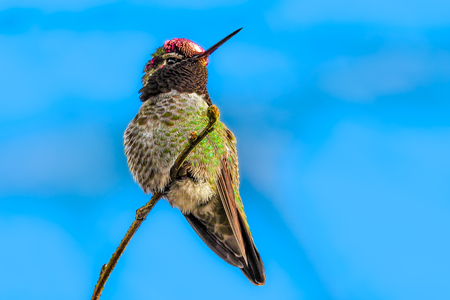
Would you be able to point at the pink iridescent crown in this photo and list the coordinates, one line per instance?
(185, 47)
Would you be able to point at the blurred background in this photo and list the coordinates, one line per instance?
(342, 114)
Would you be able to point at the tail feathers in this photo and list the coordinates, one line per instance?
(211, 223)
(213, 243)
(252, 266)
(254, 269)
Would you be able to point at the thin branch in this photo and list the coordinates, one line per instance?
(141, 213)
(194, 140)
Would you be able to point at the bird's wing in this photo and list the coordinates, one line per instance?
(253, 265)
(222, 225)
(228, 199)
(216, 242)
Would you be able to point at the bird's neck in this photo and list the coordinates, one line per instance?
(184, 79)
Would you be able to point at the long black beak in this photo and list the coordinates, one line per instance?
(214, 48)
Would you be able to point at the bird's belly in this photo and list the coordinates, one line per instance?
(187, 194)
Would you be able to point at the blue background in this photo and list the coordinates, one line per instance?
(341, 110)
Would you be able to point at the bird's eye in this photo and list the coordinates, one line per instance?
(171, 61)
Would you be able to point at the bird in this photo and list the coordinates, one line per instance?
(175, 101)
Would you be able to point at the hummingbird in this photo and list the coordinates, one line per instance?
(175, 100)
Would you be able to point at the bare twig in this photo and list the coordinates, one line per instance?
(194, 140)
(141, 213)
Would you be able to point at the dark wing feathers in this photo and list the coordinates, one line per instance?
(226, 194)
(253, 266)
(212, 242)
(239, 237)
(254, 271)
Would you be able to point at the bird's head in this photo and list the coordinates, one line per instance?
(179, 64)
